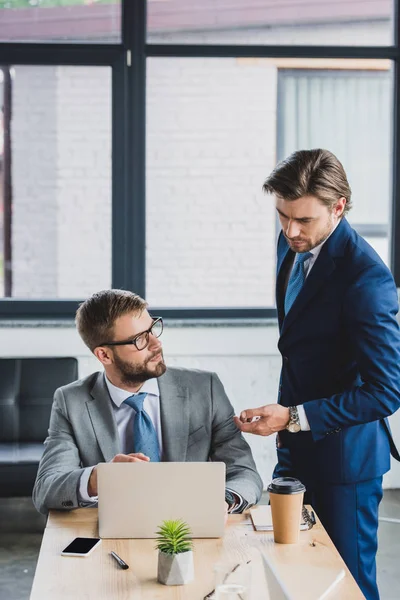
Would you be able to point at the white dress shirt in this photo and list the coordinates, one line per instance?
(308, 265)
(125, 416)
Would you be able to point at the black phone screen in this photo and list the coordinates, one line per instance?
(81, 545)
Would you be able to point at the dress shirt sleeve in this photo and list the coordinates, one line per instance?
(83, 496)
(304, 424)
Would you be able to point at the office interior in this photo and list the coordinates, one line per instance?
(135, 137)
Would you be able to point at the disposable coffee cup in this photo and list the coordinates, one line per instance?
(286, 497)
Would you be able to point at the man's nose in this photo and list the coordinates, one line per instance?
(154, 342)
(292, 230)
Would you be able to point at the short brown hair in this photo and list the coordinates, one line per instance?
(95, 318)
(314, 172)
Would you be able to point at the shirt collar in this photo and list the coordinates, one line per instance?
(315, 251)
(118, 395)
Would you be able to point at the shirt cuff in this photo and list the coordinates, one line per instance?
(83, 495)
(304, 424)
(239, 505)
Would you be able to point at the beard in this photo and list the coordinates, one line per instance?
(309, 244)
(131, 374)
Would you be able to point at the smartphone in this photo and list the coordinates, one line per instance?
(81, 546)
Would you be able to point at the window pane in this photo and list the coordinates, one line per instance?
(215, 130)
(320, 22)
(60, 20)
(60, 173)
(211, 138)
(349, 112)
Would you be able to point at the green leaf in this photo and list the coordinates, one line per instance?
(173, 537)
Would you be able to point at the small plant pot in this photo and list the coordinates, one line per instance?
(175, 569)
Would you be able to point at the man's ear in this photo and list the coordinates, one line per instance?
(340, 206)
(104, 355)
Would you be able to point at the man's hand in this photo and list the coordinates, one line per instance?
(139, 457)
(92, 483)
(264, 420)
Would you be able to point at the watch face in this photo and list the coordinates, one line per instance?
(294, 427)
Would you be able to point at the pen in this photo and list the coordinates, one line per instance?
(119, 560)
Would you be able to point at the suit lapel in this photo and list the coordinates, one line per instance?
(174, 410)
(321, 271)
(103, 420)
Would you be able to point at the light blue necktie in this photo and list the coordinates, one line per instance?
(144, 435)
(296, 280)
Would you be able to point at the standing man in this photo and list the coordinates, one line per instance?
(340, 347)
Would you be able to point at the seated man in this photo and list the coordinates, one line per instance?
(137, 410)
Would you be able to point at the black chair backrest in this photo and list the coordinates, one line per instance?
(27, 386)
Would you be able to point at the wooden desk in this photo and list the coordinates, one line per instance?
(98, 577)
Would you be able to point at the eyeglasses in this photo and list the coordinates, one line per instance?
(141, 340)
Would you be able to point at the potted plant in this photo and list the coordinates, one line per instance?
(175, 554)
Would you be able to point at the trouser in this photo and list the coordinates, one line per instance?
(349, 513)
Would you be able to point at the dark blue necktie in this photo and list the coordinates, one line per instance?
(144, 435)
(296, 280)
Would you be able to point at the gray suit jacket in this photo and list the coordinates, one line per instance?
(196, 421)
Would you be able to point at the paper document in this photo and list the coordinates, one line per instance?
(262, 518)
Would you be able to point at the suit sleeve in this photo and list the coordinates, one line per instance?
(370, 307)
(229, 446)
(57, 480)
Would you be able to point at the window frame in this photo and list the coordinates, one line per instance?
(127, 61)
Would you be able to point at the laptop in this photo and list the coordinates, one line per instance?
(134, 498)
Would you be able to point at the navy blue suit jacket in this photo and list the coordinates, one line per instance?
(340, 345)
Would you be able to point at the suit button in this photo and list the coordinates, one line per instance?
(285, 359)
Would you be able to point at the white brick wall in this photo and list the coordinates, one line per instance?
(211, 142)
(84, 180)
(34, 184)
(61, 143)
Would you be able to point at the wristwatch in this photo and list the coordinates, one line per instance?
(294, 422)
(230, 499)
